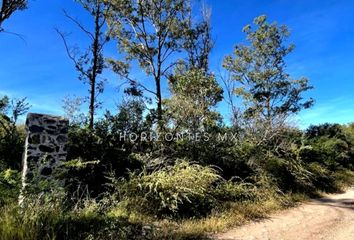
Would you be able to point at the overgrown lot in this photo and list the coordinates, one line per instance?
(200, 173)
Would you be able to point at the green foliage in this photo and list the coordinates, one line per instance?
(173, 191)
(195, 94)
(12, 146)
(9, 186)
(325, 130)
(4, 103)
(321, 177)
(130, 118)
(12, 141)
(190, 114)
(150, 33)
(139, 38)
(12, 136)
(236, 191)
(47, 218)
(105, 146)
(328, 145)
(267, 90)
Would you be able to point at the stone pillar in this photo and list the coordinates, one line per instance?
(45, 146)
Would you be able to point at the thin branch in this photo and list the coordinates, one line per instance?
(139, 84)
(168, 68)
(70, 55)
(79, 25)
(15, 34)
(146, 89)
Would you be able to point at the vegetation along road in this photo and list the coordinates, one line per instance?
(328, 218)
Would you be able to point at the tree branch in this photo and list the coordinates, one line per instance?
(79, 25)
(70, 55)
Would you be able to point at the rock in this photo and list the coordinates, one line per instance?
(36, 129)
(46, 149)
(46, 171)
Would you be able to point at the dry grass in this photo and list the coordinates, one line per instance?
(232, 214)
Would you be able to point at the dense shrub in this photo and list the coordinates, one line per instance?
(12, 142)
(171, 191)
(321, 177)
(225, 173)
(12, 135)
(150, 180)
(9, 186)
(104, 146)
(235, 190)
(328, 144)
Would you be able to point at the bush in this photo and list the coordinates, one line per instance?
(10, 183)
(179, 190)
(328, 145)
(235, 191)
(321, 177)
(103, 145)
(12, 144)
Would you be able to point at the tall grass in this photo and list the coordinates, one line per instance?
(49, 221)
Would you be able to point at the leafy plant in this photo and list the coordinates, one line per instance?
(167, 191)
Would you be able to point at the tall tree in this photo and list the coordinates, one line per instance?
(150, 32)
(90, 64)
(259, 68)
(8, 7)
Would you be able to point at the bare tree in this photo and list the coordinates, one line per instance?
(90, 63)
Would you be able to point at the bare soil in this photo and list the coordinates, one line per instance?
(328, 218)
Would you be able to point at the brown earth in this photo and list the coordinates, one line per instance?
(328, 218)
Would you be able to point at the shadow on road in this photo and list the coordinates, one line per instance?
(347, 203)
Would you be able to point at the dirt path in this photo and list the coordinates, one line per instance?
(328, 218)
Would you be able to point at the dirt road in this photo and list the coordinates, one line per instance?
(328, 218)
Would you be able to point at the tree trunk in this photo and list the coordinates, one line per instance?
(92, 104)
(95, 53)
(158, 85)
(159, 102)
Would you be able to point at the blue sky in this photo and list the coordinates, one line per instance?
(323, 32)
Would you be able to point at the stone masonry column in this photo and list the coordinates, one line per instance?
(45, 146)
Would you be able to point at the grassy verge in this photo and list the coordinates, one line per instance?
(91, 221)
